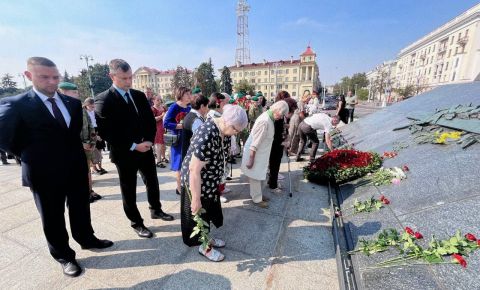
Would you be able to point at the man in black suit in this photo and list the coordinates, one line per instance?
(125, 120)
(42, 126)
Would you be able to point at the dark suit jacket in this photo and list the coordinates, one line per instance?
(52, 156)
(119, 125)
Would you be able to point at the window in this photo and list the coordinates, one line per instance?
(272, 80)
(294, 79)
(286, 86)
(279, 79)
(451, 39)
(240, 74)
(252, 81)
(234, 75)
(272, 94)
(286, 79)
(272, 71)
(265, 80)
(259, 73)
(279, 87)
(446, 66)
(453, 76)
(266, 87)
(294, 86)
(259, 80)
(294, 70)
(272, 86)
(266, 72)
(466, 32)
(294, 94)
(449, 52)
(456, 62)
(286, 71)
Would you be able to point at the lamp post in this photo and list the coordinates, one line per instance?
(87, 58)
(24, 82)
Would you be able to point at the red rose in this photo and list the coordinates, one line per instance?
(418, 236)
(386, 201)
(405, 168)
(382, 197)
(180, 116)
(478, 243)
(409, 231)
(460, 260)
(470, 237)
(338, 213)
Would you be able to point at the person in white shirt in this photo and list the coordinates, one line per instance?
(308, 129)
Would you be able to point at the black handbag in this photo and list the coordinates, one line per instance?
(170, 138)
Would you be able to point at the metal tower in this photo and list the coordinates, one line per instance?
(242, 54)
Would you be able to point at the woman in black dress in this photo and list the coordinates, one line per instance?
(202, 171)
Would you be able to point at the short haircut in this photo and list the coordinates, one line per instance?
(213, 101)
(282, 95)
(38, 60)
(280, 107)
(292, 104)
(88, 101)
(116, 64)
(198, 100)
(180, 92)
(235, 115)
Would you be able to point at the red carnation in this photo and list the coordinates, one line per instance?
(470, 237)
(382, 197)
(478, 243)
(386, 201)
(418, 236)
(338, 213)
(180, 116)
(409, 231)
(405, 168)
(460, 260)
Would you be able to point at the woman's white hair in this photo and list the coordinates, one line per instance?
(235, 115)
(280, 107)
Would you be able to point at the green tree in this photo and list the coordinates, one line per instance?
(406, 91)
(359, 80)
(205, 78)
(226, 81)
(362, 94)
(245, 86)
(8, 87)
(100, 80)
(182, 78)
(67, 77)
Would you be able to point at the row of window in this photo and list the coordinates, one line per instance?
(259, 73)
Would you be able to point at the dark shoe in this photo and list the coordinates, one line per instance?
(5, 162)
(160, 164)
(91, 199)
(143, 232)
(299, 159)
(177, 192)
(71, 269)
(165, 160)
(103, 171)
(95, 195)
(159, 214)
(97, 244)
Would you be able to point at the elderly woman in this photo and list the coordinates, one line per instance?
(173, 124)
(257, 150)
(202, 172)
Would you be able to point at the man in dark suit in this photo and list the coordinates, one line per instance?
(42, 125)
(125, 120)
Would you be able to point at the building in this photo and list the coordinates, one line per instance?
(159, 81)
(449, 54)
(382, 81)
(294, 75)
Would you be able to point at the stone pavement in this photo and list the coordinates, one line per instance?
(287, 246)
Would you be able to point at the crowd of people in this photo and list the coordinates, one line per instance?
(204, 134)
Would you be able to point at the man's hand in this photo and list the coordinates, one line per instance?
(144, 146)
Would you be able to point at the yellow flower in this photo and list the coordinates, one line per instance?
(442, 138)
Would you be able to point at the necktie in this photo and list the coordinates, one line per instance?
(130, 103)
(57, 113)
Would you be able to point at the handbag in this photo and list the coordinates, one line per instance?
(170, 138)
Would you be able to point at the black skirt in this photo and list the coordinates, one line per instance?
(213, 215)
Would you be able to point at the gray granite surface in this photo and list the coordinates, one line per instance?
(441, 193)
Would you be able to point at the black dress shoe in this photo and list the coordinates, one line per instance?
(143, 232)
(71, 268)
(159, 214)
(97, 244)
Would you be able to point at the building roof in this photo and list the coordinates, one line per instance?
(156, 71)
(267, 64)
(308, 51)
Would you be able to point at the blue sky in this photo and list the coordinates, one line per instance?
(348, 36)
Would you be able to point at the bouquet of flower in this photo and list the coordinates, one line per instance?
(385, 176)
(342, 166)
(180, 116)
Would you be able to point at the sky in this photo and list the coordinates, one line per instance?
(348, 36)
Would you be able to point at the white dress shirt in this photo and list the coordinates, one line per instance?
(59, 103)
(319, 121)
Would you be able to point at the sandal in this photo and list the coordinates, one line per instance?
(165, 160)
(211, 254)
(217, 243)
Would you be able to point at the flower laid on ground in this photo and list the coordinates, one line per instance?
(405, 168)
(388, 176)
(342, 165)
(442, 138)
(411, 253)
(369, 205)
(390, 154)
(179, 118)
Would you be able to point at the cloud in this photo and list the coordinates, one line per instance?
(304, 22)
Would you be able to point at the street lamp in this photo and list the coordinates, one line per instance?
(87, 58)
(24, 82)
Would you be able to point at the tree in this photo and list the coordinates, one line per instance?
(182, 78)
(245, 86)
(8, 87)
(100, 80)
(359, 80)
(362, 94)
(205, 78)
(226, 81)
(406, 92)
(67, 77)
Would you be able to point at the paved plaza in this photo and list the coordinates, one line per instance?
(287, 246)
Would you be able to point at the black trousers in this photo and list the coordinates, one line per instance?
(305, 131)
(350, 114)
(274, 164)
(51, 206)
(128, 166)
(3, 156)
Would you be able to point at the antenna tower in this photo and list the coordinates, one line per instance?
(242, 54)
